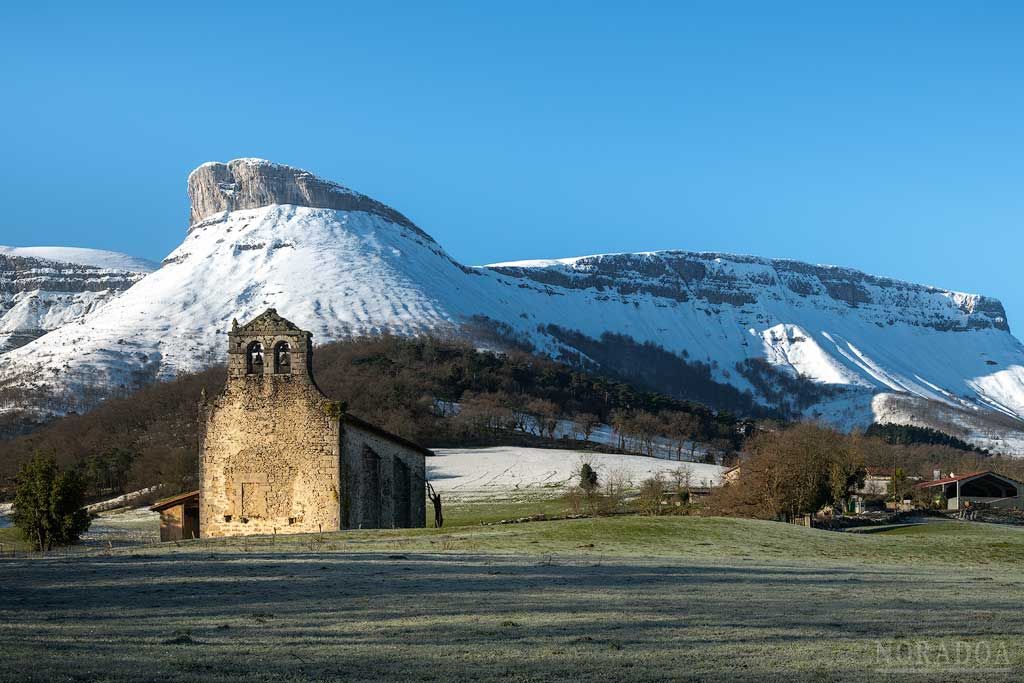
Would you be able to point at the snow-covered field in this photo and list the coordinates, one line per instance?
(120, 501)
(476, 473)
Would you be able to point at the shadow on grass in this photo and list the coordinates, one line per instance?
(300, 615)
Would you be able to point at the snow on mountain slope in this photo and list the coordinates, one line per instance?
(349, 265)
(827, 324)
(97, 258)
(42, 288)
(334, 273)
(791, 347)
(991, 430)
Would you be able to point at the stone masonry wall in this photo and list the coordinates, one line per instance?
(374, 470)
(271, 459)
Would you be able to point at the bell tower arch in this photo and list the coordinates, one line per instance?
(269, 348)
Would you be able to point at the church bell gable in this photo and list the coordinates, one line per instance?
(269, 347)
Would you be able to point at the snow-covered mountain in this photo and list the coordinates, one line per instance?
(43, 288)
(339, 263)
(95, 258)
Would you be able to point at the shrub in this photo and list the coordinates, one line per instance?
(652, 494)
(588, 479)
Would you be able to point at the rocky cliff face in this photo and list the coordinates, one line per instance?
(217, 187)
(39, 294)
(748, 282)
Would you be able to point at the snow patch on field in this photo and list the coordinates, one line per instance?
(123, 527)
(469, 473)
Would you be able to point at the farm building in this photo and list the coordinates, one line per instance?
(179, 516)
(278, 456)
(876, 482)
(731, 475)
(977, 487)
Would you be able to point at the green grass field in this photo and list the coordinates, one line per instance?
(11, 539)
(620, 598)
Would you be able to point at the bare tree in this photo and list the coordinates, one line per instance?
(652, 494)
(585, 424)
(544, 415)
(617, 483)
(435, 498)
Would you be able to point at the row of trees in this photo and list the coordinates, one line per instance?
(793, 471)
(906, 435)
(614, 492)
(670, 433)
(675, 434)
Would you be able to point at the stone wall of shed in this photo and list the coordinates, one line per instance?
(270, 461)
(372, 471)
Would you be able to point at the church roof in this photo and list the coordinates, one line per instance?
(350, 419)
(267, 321)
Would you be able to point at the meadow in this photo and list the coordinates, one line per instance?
(616, 598)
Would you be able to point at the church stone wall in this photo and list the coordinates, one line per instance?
(271, 461)
(383, 481)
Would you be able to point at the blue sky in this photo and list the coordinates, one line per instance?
(883, 138)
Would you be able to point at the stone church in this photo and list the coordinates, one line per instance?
(280, 457)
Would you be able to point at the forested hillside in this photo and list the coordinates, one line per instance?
(909, 434)
(436, 392)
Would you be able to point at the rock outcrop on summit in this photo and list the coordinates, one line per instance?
(342, 264)
(217, 187)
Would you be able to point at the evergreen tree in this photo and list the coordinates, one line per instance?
(49, 504)
(588, 479)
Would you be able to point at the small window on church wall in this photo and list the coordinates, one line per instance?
(282, 358)
(254, 359)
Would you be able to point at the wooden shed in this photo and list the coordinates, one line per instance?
(179, 516)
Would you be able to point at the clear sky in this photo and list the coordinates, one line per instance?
(867, 135)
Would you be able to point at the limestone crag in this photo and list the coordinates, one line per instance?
(38, 295)
(216, 187)
(745, 284)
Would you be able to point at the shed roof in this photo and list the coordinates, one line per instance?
(165, 503)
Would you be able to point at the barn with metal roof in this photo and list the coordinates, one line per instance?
(985, 487)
